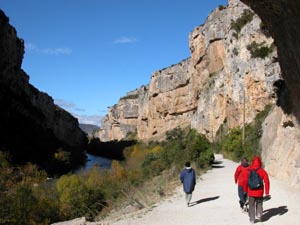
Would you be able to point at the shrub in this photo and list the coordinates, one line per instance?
(152, 165)
(4, 160)
(78, 199)
(231, 144)
(198, 149)
(221, 7)
(23, 198)
(259, 50)
(264, 29)
(245, 18)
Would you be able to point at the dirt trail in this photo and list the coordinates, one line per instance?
(215, 202)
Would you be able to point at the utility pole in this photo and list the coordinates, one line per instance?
(244, 115)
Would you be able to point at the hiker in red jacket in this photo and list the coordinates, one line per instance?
(241, 177)
(256, 195)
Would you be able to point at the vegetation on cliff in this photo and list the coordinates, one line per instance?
(260, 50)
(232, 145)
(238, 24)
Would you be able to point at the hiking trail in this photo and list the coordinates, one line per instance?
(215, 202)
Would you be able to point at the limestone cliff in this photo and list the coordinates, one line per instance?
(280, 141)
(32, 127)
(208, 89)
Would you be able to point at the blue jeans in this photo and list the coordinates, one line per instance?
(242, 196)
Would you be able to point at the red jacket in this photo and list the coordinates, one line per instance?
(241, 176)
(264, 176)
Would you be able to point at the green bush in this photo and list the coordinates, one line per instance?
(198, 149)
(260, 50)
(264, 29)
(221, 7)
(77, 198)
(23, 199)
(152, 165)
(179, 148)
(245, 18)
(231, 145)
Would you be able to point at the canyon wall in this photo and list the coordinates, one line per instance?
(206, 90)
(32, 127)
(280, 141)
(209, 89)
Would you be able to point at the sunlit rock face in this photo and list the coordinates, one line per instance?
(281, 19)
(209, 88)
(32, 127)
(281, 136)
(206, 90)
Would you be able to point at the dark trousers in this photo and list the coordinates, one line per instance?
(255, 208)
(242, 196)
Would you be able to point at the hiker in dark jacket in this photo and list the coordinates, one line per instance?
(256, 195)
(241, 177)
(188, 179)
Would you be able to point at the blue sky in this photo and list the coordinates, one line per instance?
(87, 54)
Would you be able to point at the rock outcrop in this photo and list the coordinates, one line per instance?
(281, 19)
(209, 88)
(280, 141)
(32, 127)
(281, 147)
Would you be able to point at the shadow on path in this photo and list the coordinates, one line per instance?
(217, 164)
(217, 167)
(268, 213)
(203, 200)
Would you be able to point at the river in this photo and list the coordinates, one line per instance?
(93, 160)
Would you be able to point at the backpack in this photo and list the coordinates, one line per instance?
(254, 180)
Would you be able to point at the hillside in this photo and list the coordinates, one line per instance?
(88, 128)
(32, 127)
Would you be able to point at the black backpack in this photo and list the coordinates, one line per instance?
(254, 180)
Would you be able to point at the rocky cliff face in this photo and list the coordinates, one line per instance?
(280, 141)
(281, 19)
(281, 147)
(206, 90)
(32, 127)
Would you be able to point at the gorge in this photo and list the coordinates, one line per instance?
(205, 92)
(32, 128)
(233, 59)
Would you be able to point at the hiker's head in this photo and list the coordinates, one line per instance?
(256, 162)
(187, 164)
(244, 160)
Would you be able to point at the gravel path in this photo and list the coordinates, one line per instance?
(215, 202)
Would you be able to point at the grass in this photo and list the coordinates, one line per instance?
(149, 194)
